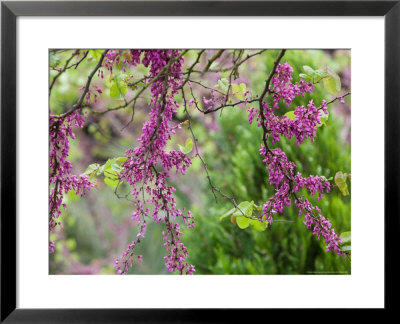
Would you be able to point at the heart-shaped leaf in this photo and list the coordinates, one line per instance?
(242, 222)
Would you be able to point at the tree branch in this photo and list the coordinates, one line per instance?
(78, 105)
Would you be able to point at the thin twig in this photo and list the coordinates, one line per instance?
(78, 105)
(211, 60)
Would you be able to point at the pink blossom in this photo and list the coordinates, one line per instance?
(281, 171)
(60, 180)
(139, 168)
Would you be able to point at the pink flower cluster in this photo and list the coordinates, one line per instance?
(278, 165)
(121, 58)
(142, 168)
(320, 225)
(313, 184)
(60, 168)
(281, 171)
(252, 113)
(281, 176)
(177, 250)
(282, 87)
(129, 261)
(303, 126)
(113, 57)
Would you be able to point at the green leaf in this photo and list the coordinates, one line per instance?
(239, 90)
(246, 207)
(346, 237)
(188, 146)
(91, 170)
(223, 84)
(230, 212)
(308, 70)
(112, 167)
(107, 165)
(323, 118)
(236, 90)
(319, 75)
(116, 167)
(114, 90)
(96, 54)
(340, 180)
(258, 226)
(100, 170)
(290, 115)
(330, 85)
(242, 222)
(123, 88)
(110, 173)
(118, 88)
(332, 82)
(121, 159)
(113, 183)
(306, 77)
(182, 148)
(346, 247)
(111, 170)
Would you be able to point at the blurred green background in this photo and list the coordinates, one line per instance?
(97, 227)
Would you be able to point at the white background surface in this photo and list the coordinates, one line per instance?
(363, 288)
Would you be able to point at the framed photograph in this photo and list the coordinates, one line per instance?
(197, 155)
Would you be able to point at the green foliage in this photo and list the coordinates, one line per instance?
(329, 78)
(242, 222)
(346, 241)
(245, 208)
(95, 54)
(258, 226)
(223, 84)
(340, 180)
(92, 170)
(308, 70)
(332, 82)
(312, 75)
(111, 170)
(118, 86)
(323, 118)
(239, 90)
(242, 216)
(188, 146)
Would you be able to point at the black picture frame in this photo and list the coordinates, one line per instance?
(9, 13)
